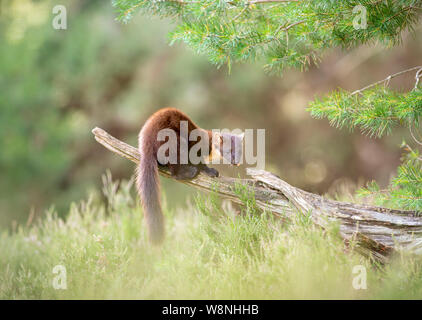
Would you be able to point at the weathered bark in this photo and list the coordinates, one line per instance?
(376, 231)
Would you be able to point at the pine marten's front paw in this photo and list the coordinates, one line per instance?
(211, 172)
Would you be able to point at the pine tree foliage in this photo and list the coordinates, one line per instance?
(294, 34)
(281, 33)
(405, 190)
(375, 111)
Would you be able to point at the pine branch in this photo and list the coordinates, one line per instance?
(377, 110)
(237, 31)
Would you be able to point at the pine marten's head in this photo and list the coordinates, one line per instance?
(227, 146)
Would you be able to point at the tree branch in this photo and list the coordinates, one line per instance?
(377, 231)
(386, 80)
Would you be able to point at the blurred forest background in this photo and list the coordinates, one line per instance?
(56, 85)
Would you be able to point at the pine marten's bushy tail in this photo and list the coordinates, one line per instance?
(147, 183)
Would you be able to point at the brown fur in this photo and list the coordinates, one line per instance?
(147, 172)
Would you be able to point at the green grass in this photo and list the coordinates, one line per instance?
(212, 251)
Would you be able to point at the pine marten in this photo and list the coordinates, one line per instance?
(220, 145)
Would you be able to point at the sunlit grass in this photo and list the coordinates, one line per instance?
(212, 251)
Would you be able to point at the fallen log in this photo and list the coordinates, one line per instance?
(376, 231)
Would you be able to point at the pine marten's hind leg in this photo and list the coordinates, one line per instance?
(184, 171)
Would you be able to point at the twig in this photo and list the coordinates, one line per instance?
(289, 26)
(417, 78)
(240, 13)
(411, 150)
(413, 136)
(386, 79)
